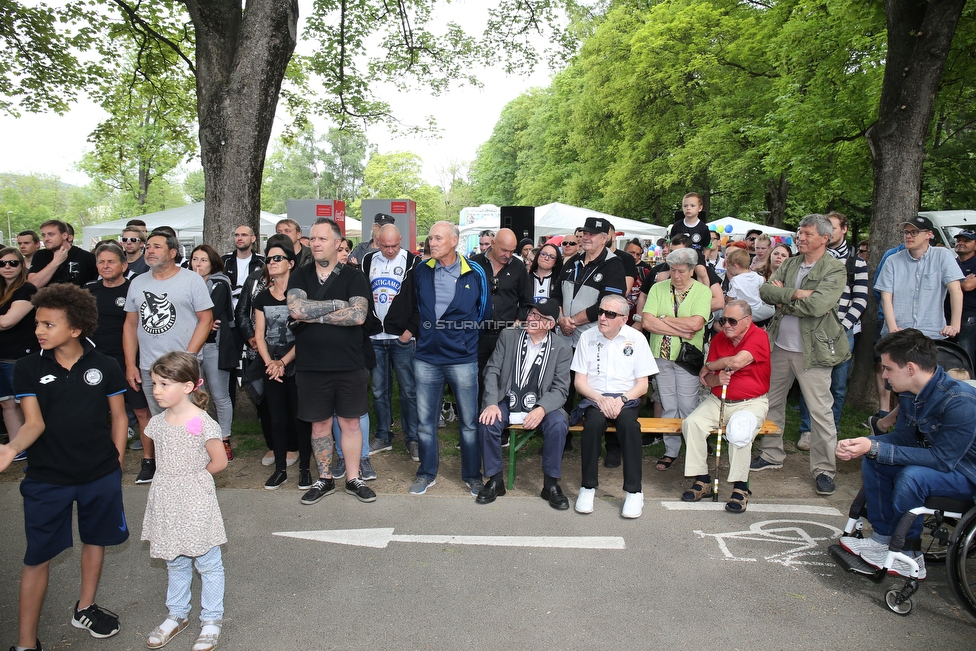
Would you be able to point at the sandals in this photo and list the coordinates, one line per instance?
(737, 503)
(160, 638)
(208, 641)
(666, 462)
(697, 491)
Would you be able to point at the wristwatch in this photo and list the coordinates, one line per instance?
(873, 452)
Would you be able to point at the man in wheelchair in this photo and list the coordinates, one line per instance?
(931, 451)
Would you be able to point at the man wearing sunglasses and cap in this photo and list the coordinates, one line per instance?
(738, 358)
(525, 382)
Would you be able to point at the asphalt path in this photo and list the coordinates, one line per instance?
(681, 579)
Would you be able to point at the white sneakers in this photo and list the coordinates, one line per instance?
(584, 503)
(633, 503)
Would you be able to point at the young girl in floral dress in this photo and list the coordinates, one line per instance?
(183, 523)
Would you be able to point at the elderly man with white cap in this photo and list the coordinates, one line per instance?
(738, 359)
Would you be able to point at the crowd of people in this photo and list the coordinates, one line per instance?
(127, 339)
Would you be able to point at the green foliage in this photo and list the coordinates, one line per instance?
(306, 166)
(33, 199)
(194, 186)
(398, 176)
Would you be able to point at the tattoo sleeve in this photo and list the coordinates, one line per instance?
(347, 313)
(303, 309)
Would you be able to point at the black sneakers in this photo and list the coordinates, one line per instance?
(319, 489)
(147, 472)
(358, 487)
(277, 478)
(36, 648)
(304, 479)
(99, 622)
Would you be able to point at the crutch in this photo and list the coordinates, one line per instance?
(718, 440)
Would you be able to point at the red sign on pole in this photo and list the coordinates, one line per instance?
(323, 210)
(398, 207)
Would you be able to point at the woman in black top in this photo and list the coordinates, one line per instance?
(16, 333)
(545, 270)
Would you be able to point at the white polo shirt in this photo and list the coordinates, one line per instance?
(613, 366)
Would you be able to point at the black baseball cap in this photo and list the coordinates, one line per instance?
(597, 225)
(382, 218)
(921, 223)
(547, 307)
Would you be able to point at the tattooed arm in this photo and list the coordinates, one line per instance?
(332, 312)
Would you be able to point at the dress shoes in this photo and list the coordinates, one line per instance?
(554, 495)
(493, 488)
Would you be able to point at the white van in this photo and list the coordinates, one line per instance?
(949, 222)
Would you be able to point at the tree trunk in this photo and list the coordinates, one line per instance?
(776, 193)
(241, 56)
(919, 36)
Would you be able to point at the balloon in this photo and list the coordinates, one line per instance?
(725, 240)
(728, 228)
(712, 227)
(789, 240)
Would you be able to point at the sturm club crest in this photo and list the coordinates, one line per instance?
(158, 314)
(93, 377)
(120, 301)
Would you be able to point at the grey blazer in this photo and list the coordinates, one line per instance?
(554, 383)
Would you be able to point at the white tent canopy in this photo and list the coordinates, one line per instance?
(187, 221)
(560, 218)
(741, 227)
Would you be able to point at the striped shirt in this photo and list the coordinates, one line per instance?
(854, 300)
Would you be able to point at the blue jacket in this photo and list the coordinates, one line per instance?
(454, 338)
(945, 413)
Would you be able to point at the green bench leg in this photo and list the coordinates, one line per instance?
(515, 443)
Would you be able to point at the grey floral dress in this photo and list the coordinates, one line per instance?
(182, 515)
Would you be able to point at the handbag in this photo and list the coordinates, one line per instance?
(690, 358)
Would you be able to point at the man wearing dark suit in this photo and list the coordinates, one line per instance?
(526, 381)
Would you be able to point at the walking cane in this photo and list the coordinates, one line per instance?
(718, 440)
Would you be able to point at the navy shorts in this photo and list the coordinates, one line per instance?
(6, 381)
(324, 394)
(47, 515)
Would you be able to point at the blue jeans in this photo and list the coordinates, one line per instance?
(892, 491)
(211, 569)
(838, 389)
(337, 434)
(463, 379)
(390, 355)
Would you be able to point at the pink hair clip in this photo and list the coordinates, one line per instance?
(199, 384)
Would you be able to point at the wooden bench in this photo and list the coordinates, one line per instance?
(519, 436)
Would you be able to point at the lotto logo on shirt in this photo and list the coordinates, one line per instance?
(158, 314)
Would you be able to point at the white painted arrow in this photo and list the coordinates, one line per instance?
(380, 538)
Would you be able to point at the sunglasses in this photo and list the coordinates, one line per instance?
(130, 239)
(722, 320)
(565, 243)
(10, 263)
(277, 258)
(609, 314)
(750, 239)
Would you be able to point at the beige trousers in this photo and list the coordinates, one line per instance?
(697, 426)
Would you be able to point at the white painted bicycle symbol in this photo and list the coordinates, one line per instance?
(793, 538)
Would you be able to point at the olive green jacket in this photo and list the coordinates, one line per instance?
(824, 339)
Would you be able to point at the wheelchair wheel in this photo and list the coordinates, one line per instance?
(961, 562)
(903, 608)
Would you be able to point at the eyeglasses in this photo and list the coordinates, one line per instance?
(565, 243)
(608, 313)
(547, 256)
(535, 315)
(862, 250)
(10, 263)
(130, 239)
(912, 233)
(722, 320)
(277, 258)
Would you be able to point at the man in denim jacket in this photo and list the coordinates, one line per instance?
(932, 450)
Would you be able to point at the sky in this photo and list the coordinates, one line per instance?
(53, 145)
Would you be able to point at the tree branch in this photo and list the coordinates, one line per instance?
(137, 21)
